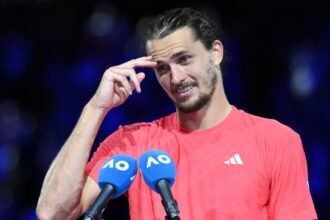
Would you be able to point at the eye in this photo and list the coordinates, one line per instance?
(161, 69)
(184, 59)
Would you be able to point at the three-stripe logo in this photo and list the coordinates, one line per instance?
(235, 160)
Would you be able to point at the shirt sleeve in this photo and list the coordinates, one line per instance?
(290, 197)
(111, 146)
(99, 157)
(122, 141)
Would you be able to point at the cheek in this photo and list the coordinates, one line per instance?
(164, 81)
(197, 69)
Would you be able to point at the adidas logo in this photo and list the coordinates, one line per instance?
(236, 159)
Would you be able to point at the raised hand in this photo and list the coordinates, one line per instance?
(118, 82)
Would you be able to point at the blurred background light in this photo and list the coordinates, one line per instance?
(16, 55)
(101, 21)
(302, 81)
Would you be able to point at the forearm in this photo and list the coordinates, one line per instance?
(61, 192)
(64, 181)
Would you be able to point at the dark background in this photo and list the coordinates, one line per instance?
(53, 54)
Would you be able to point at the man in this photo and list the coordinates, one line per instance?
(230, 164)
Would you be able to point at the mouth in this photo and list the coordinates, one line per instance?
(183, 91)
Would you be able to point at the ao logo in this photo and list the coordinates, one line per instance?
(162, 158)
(120, 165)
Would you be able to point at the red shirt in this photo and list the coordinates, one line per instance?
(246, 167)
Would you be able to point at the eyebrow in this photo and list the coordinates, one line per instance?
(175, 55)
(178, 54)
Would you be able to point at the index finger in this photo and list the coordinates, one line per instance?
(140, 62)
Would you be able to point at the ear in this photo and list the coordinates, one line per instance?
(217, 52)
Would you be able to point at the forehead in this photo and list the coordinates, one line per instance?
(180, 40)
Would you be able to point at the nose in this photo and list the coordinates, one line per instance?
(177, 75)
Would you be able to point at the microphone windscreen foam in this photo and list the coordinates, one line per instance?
(156, 165)
(119, 171)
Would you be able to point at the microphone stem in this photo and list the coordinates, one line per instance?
(169, 203)
(95, 211)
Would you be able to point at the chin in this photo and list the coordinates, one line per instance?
(190, 106)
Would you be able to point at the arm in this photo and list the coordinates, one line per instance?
(66, 191)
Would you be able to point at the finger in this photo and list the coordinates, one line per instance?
(145, 62)
(139, 78)
(134, 81)
(121, 92)
(129, 72)
(121, 81)
(143, 58)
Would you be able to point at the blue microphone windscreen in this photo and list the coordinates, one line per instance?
(119, 171)
(156, 165)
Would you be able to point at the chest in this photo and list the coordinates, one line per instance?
(216, 174)
(223, 173)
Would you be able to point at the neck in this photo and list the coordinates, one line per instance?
(214, 112)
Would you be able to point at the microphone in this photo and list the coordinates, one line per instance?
(115, 177)
(158, 171)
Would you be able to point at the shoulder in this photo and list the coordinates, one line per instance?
(160, 123)
(270, 135)
(266, 127)
(139, 132)
(275, 142)
(128, 137)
